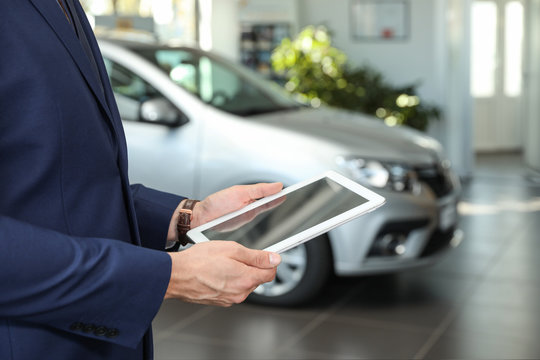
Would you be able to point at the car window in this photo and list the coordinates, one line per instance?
(180, 66)
(130, 90)
(215, 82)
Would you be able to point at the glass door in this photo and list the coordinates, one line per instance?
(496, 74)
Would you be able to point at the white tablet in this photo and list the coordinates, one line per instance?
(295, 215)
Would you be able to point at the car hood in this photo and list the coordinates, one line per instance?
(363, 135)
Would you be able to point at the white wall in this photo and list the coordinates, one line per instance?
(219, 27)
(457, 125)
(261, 11)
(401, 61)
(532, 86)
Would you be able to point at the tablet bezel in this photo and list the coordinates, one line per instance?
(374, 201)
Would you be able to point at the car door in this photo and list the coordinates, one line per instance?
(162, 154)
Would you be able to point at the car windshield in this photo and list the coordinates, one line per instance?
(220, 83)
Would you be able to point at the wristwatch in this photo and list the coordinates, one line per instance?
(184, 221)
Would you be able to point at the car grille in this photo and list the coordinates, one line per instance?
(437, 178)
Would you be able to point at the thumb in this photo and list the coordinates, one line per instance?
(261, 259)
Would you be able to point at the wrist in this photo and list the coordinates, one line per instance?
(181, 222)
(185, 216)
(171, 235)
(196, 216)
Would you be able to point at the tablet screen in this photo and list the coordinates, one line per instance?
(288, 215)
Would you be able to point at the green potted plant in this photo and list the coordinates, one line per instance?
(318, 73)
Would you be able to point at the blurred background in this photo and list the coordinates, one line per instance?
(456, 52)
(432, 103)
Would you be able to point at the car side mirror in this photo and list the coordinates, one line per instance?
(161, 111)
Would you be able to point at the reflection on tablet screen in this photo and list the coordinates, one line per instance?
(288, 215)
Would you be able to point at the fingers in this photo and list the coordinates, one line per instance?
(261, 190)
(231, 199)
(220, 273)
(264, 276)
(257, 258)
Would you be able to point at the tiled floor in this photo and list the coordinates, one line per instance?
(481, 302)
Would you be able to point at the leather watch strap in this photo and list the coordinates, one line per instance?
(184, 221)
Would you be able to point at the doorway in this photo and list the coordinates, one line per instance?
(497, 29)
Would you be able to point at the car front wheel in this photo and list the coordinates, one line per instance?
(302, 274)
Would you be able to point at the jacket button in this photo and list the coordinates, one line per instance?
(100, 331)
(76, 326)
(88, 328)
(112, 333)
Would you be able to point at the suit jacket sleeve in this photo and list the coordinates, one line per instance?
(154, 210)
(60, 281)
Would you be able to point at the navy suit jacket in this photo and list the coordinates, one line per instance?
(74, 281)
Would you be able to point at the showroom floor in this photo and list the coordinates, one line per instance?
(481, 301)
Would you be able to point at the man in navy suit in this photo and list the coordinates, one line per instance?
(81, 274)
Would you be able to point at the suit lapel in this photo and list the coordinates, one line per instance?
(52, 13)
(63, 29)
(102, 72)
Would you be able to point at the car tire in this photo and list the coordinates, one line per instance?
(302, 275)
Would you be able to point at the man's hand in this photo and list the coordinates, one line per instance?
(231, 199)
(219, 273)
(224, 202)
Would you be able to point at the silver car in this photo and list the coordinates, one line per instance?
(196, 123)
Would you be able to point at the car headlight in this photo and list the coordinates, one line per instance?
(381, 174)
